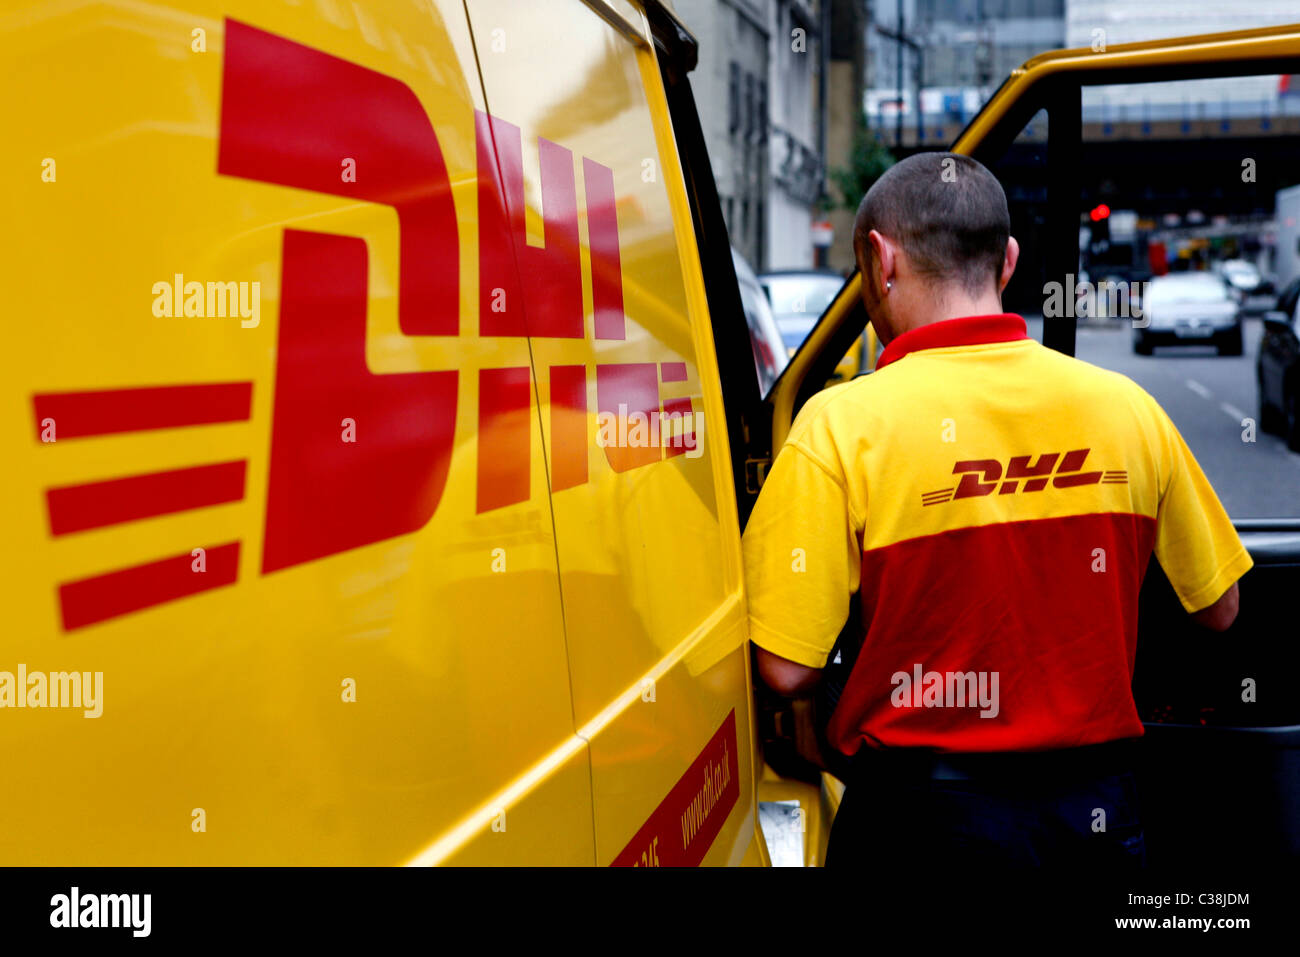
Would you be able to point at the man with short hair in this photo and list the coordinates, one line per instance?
(993, 504)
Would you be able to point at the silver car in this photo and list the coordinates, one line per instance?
(1189, 308)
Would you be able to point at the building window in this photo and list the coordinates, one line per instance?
(733, 97)
(749, 105)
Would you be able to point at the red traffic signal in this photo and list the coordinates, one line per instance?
(1099, 213)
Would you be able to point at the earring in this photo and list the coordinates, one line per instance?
(889, 284)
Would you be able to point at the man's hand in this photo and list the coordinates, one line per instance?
(785, 676)
(1222, 613)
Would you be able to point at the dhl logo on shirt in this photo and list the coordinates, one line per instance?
(985, 476)
(288, 114)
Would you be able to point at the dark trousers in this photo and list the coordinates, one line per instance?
(1076, 809)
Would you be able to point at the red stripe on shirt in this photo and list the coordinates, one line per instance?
(1018, 598)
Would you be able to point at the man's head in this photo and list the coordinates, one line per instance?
(933, 241)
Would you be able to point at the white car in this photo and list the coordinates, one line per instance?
(1241, 275)
(1189, 308)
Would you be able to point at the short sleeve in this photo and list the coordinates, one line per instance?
(1196, 544)
(802, 560)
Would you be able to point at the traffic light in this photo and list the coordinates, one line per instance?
(1100, 216)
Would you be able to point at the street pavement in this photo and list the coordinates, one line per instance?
(1207, 396)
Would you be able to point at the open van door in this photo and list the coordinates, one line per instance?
(1221, 756)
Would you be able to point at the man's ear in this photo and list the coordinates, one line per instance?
(884, 259)
(1009, 263)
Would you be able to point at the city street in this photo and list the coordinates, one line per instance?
(1207, 396)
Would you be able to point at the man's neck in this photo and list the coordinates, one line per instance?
(957, 305)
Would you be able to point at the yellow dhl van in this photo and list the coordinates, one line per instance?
(381, 421)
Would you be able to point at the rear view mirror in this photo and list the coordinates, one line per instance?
(1276, 318)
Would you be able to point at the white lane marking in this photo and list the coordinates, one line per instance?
(1199, 389)
(1233, 412)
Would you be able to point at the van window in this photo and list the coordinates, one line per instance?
(1183, 217)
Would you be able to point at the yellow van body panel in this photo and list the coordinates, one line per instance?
(648, 558)
(524, 683)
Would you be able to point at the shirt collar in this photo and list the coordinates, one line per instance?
(966, 331)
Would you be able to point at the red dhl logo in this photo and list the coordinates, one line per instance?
(288, 114)
(985, 476)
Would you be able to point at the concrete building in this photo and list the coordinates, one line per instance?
(761, 90)
(846, 86)
(926, 82)
(731, 93)
(797, 76)
(1225, 99)
(1128, 22)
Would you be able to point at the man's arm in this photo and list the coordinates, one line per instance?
(1220, 615)
(802, 564)
(1195, 543)
(785, 676)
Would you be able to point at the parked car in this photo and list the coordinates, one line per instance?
(1277, 368)
(798, 298)
(1242, 275)
(1189, 308)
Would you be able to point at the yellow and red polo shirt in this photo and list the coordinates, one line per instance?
(993, 503)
